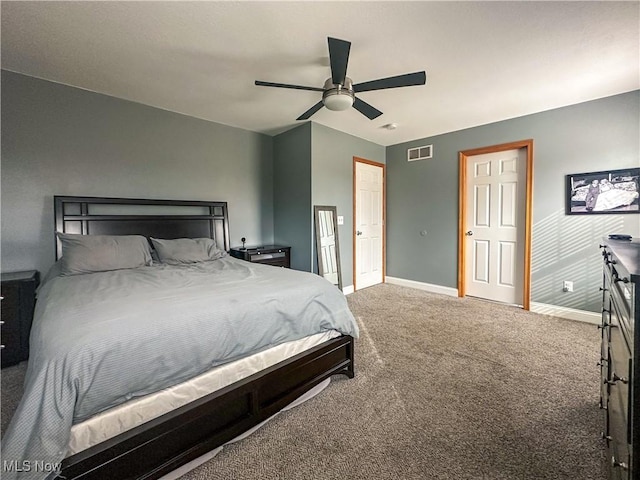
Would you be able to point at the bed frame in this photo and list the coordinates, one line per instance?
(161, 445)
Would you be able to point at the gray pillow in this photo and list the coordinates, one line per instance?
(186, 250)
(99, 253)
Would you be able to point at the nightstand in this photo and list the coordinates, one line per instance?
(277, 255)
(18, 290)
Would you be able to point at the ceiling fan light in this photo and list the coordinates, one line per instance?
(338, 101)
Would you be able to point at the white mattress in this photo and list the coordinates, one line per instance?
(124, 417)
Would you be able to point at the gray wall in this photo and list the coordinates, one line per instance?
(332, 174)
(59, 140)
(292, 194)
(598, 135)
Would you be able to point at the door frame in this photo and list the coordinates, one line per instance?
(357, 160)
(462, 210)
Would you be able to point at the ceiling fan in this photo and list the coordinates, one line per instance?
(338, 92)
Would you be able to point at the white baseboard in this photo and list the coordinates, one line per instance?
(429, 287)
(565, 312)
(546, 309)
(348, 290)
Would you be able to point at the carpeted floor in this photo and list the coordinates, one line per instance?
(445, 388)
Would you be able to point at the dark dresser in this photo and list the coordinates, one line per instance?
(18, 290)
(277, 255)
(619, 364)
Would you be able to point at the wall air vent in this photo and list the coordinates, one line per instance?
(420, 153)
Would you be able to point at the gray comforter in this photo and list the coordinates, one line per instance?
(101, 339)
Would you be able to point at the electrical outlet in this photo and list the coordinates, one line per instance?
(340, 220)
(567, 286)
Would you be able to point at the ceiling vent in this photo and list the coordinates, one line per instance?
(420, 153)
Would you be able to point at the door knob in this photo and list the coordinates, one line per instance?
(469, 233)
(616, 463)
(615, 380)
(358, 232)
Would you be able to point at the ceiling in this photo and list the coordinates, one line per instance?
(485, 61)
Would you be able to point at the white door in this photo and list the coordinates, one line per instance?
(369, 225)
(495, 226)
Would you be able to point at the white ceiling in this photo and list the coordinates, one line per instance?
(485, 61)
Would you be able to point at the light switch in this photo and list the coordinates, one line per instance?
(340, 220)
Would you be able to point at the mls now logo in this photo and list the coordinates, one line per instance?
(31, 466)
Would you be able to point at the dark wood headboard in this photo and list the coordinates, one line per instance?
(136, 216)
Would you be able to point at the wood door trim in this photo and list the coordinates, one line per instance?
(384, 216)
(462, 210)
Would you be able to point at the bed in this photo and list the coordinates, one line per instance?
(171, 439)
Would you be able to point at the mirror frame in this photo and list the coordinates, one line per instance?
(316, 210)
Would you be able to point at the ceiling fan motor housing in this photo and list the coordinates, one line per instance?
(338, 97)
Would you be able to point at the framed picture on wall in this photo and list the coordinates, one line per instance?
(611, 191)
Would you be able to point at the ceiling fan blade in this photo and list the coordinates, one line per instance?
(311, 111)
(339, 57)
(285, 85)
(406, 80)
(366, 109)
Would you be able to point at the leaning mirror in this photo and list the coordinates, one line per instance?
(327, 247)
